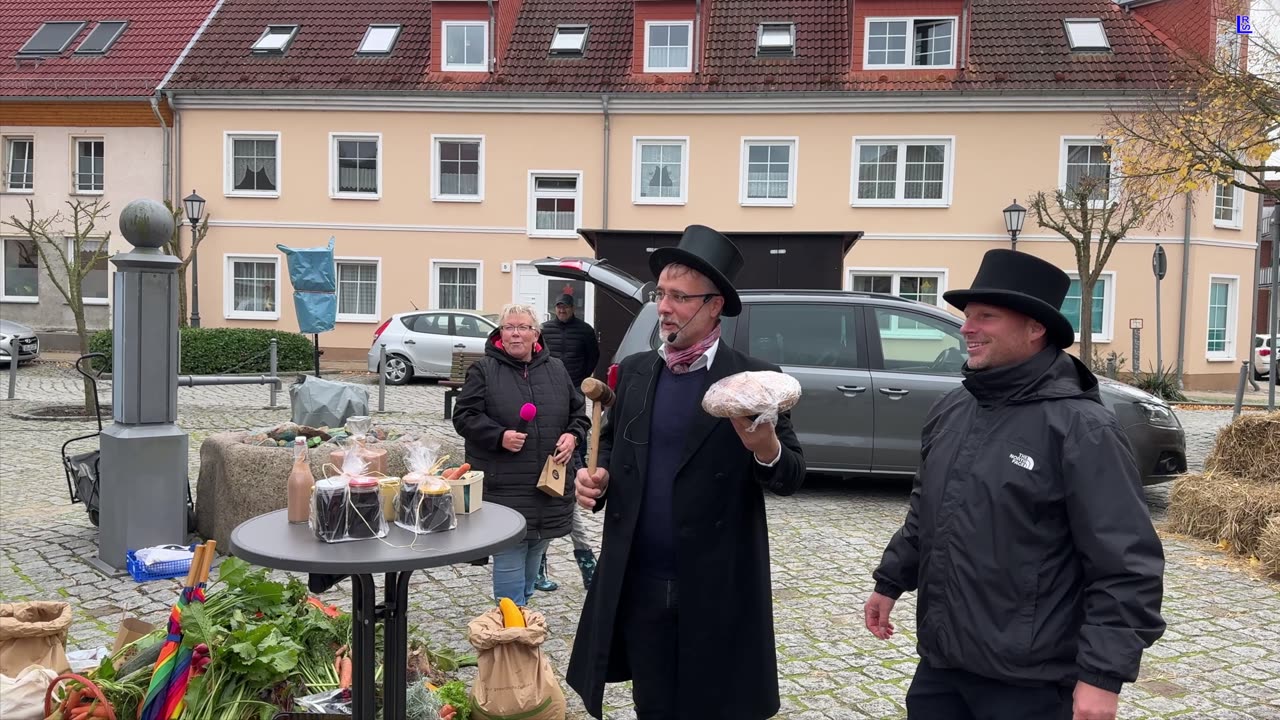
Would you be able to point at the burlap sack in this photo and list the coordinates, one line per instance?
(34, 633)
(515, 678)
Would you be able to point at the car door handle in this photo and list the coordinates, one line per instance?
(410, 342)
(851, 389)
(894, 393)
(459, 345)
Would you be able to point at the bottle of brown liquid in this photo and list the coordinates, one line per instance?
(299, 485)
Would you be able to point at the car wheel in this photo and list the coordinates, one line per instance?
(398, 370)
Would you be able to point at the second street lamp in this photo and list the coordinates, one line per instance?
(194, 205)
(1014, 216)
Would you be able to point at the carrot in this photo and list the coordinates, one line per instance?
(99, 712)
(344, 678)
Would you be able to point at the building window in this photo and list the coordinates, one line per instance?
(1228, 206)
(1103, 314)
(569, 40)
(101, 38)
(910, 43)
(1086, 35)
(923, 285)
(768, 171)
(666, 46)
(466, 46)
(660, 168)
(378, 40)
(19, 164)
(902, 172)
(52, 38)
(358, 289)
(89, 165)
(21, 271)
(253, 165)
(459, 168)
(356, 169)
(1227, 48)
(556, 202)
(253, 291)
(457, 286)
(1086, 161)
(93, 289)
(275, 40)
(776, 40)
(1221, 342)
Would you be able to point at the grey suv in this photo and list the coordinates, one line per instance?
(870, 366)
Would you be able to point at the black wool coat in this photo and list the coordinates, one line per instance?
(727, 660)
(497, 386)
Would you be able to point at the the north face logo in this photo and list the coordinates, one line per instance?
(1023, 461)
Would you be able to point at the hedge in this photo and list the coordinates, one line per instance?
(218, 351)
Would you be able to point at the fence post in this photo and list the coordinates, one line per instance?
(274, 367)
(1111, 366)
(13, 366)
(1244, 376)
(382, 377)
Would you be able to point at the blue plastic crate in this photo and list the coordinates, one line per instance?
(159, 571)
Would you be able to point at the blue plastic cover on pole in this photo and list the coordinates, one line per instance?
(315, 287)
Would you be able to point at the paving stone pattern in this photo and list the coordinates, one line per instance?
(1220, 658)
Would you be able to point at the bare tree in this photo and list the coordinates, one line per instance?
(68, 256)
(176, 248)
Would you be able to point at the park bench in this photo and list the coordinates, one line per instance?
(457, 376)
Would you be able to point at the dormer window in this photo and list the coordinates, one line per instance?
(275, 40)
(466, 46)
(902, 43)
(569, 41)
(379, 40)
(776, 40)
(667, 46)
(1087, 35)
(101, 38)
(52, 38)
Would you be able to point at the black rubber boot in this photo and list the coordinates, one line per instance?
(544, 583)
(587, 564)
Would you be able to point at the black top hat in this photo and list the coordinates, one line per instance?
(1024, 283)
(565, 299)
(711, 254)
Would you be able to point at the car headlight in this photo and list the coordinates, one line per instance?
(1159, 415)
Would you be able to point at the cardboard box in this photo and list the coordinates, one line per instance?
(468, 492)
(131, 628)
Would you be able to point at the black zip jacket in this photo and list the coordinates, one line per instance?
(489, 404)
(574, 343)
(1028, 535)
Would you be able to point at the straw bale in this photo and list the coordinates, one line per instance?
(1248, 448)
(1217, 507)
(1269, 547)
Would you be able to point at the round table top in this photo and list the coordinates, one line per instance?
(270, 541)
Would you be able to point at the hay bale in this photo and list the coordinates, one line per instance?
(1248, 448)
(1217, 507)
(1269, 547)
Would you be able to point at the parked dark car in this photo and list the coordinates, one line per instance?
(871, 366)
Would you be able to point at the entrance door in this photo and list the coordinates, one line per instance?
(540, 291)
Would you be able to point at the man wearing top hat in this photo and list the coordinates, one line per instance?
(1038, 573)
(681, 603)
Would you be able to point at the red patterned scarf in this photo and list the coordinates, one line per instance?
(679, 361)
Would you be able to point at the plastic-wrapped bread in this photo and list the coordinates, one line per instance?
(762, 395)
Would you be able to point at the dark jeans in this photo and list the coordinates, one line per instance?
(647, 625)
(937, 694)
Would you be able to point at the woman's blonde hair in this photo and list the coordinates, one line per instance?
(518, 309)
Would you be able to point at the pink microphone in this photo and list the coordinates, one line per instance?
(528, 412)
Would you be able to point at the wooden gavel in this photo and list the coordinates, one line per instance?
(601, 396)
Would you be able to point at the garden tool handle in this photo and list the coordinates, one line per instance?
(593, 447)
(209, 555)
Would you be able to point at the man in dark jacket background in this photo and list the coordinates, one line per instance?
(1039, 574)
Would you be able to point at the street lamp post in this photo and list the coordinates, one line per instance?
(195, 210)
(1014, 216)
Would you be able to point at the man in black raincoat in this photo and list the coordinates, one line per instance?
(1039, 574)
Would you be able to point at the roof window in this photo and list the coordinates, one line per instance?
(1087, 34)
(569, 40)
(378, 40)
(102, 37)
(52, 38)
(275, 39)
(776, 40)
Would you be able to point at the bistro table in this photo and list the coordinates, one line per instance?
(270, 541)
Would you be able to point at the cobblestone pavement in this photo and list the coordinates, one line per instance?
(1219, 659)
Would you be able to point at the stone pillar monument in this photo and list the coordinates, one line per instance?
(143, 468)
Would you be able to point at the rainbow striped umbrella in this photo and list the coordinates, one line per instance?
(166, 664)
(173, 704)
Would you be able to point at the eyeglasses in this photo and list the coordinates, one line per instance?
(520, 328)
(678, 298)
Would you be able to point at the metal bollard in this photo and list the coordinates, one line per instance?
(1111, 366)
(382, 378)
(13, 366)
(1244, 376)
(274, 367)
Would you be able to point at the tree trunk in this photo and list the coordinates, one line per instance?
(182, 296)
(77, 311)
(1086, 319)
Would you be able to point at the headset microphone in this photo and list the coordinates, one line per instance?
(672, 337)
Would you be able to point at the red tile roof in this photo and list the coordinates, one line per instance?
(132, 67)
(1012, 45)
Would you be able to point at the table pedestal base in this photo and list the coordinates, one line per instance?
(365, 614)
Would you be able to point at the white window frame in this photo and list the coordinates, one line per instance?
(1085, 47)
(377, 292)
(943, 275)
(792, 171)
(911, 37)
(6, 147)
(1108, 332)
(437, 194)
(4, 289)
(1236, 222)
(578, 33)
(1069, 140)
(434, 288)
(71, 249)
(334, 192)
(948, 170)
(534, 231)
(363, 50)
(687, 67)
(1233, 317)
(76, 140)
(259, 49)
(228, 162)
(444, 46)
(228, 290)
(636, 143)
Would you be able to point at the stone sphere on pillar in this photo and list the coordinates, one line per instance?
(146, 223)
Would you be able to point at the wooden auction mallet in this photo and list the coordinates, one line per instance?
(601, 396)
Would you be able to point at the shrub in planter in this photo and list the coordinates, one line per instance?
(217, 351)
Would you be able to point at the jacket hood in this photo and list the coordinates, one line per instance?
(1050, 374)
(493, 348)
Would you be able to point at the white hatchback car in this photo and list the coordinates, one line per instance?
(1263, 355)
(423, 342)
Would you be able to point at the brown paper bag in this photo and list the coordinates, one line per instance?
(34, 633)
(131, 628)
(515, 677)
(552, 480)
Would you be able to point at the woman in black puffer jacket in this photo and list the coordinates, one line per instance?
(515, 370)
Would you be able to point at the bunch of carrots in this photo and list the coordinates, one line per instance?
(456, 473)
(80, 704)
(342, 664)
